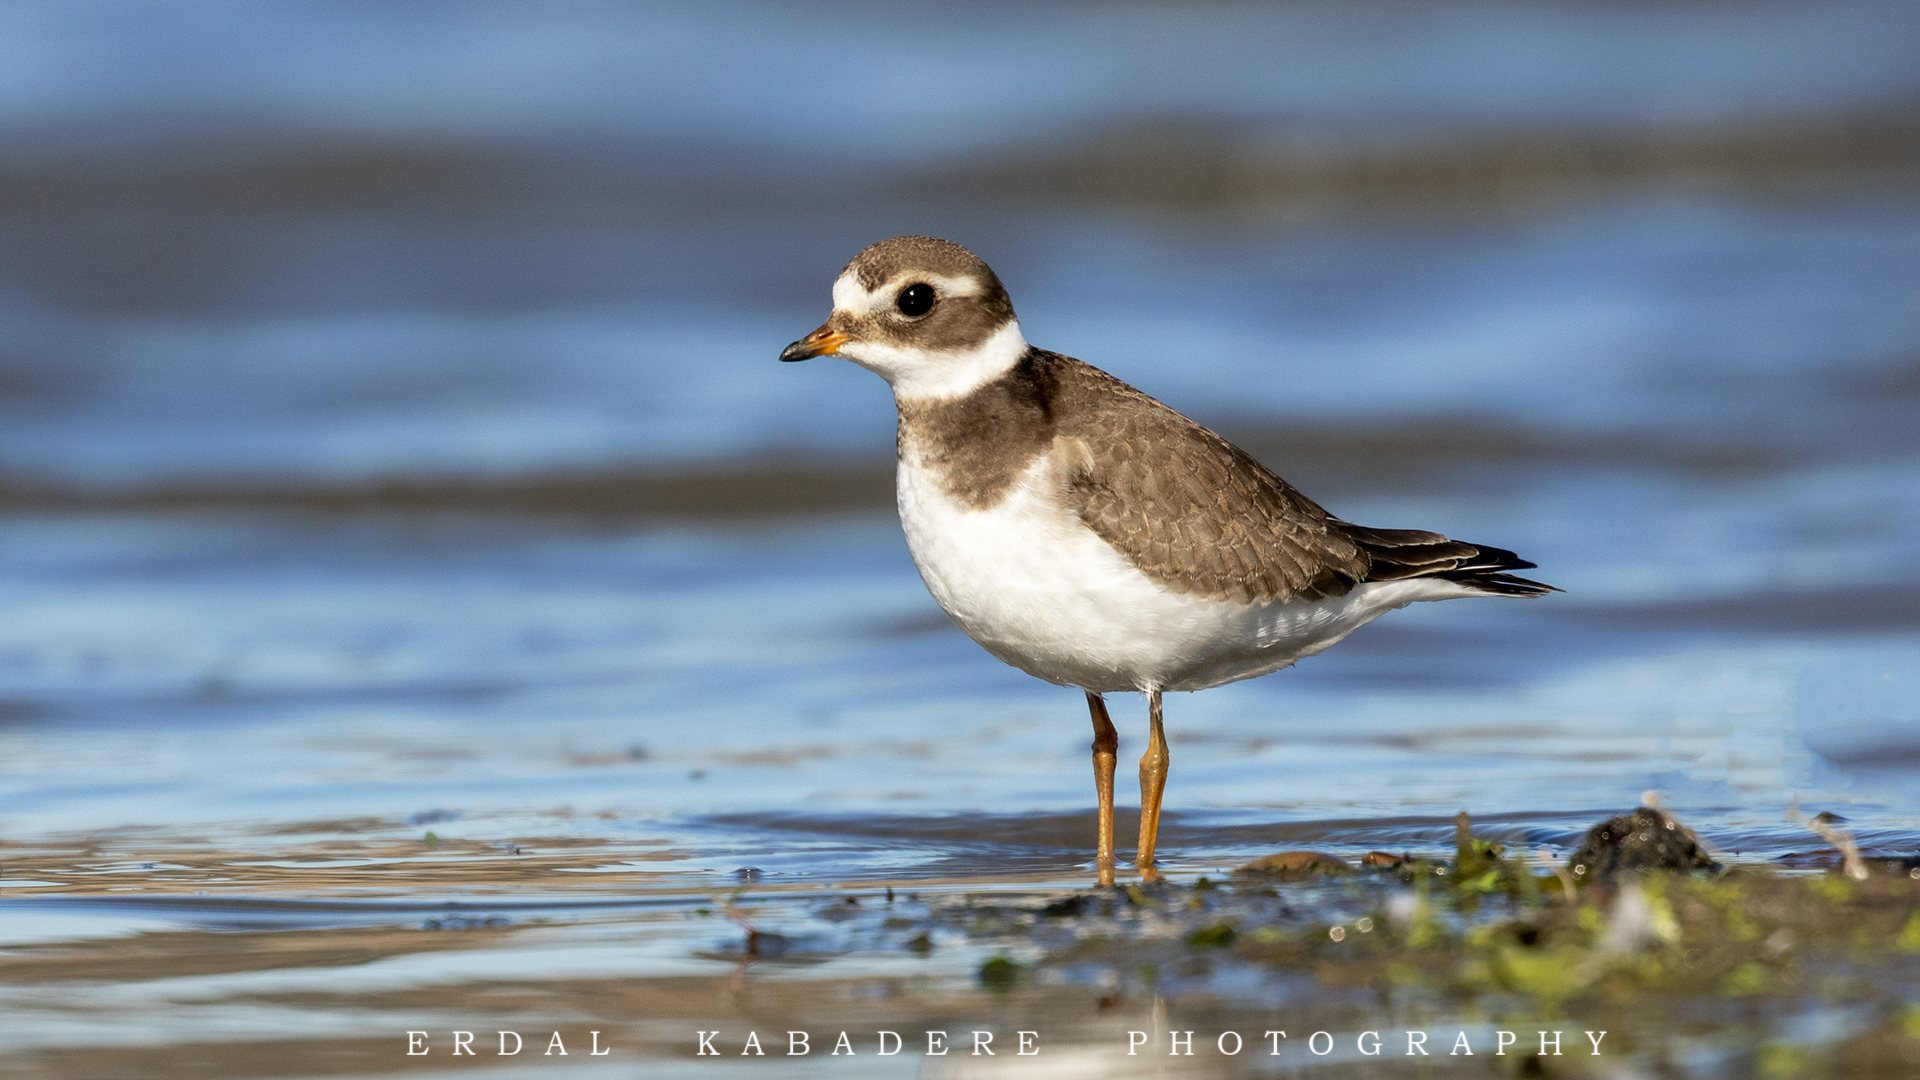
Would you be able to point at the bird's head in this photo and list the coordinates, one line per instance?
(924, 314)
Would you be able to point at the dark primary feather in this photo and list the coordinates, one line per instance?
(1397, 554)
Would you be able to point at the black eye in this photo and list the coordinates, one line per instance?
(915, 300)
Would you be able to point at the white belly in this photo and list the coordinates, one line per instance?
(1040, 591)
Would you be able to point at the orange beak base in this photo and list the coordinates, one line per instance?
(822, 342)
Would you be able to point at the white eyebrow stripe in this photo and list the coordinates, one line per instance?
(849, 296)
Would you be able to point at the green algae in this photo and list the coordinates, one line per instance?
(1743, 970)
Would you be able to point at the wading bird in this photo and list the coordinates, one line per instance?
(1091, 536)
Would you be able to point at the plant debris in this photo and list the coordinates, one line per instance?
(1641, 933)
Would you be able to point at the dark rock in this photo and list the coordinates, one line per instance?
(1646, 839)
(764, 945)
(1067, 907)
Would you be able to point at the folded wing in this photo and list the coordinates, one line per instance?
(1200, 516)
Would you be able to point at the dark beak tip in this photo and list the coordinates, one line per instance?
(795, 353)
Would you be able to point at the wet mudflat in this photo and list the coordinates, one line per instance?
(428, 606)
(1487, 959)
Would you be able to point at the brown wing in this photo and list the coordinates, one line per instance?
(1191, 510)
(1201, 516)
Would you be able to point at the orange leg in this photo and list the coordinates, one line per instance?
(1153, 784)
(1106, 752)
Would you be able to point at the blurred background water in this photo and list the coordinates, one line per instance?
(391, 437)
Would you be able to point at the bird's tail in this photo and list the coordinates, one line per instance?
(1399, 554)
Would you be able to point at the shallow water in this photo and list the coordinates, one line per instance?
(425, 593)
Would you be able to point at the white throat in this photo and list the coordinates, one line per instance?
(923, 375)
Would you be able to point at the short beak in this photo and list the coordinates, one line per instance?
(822, 342)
